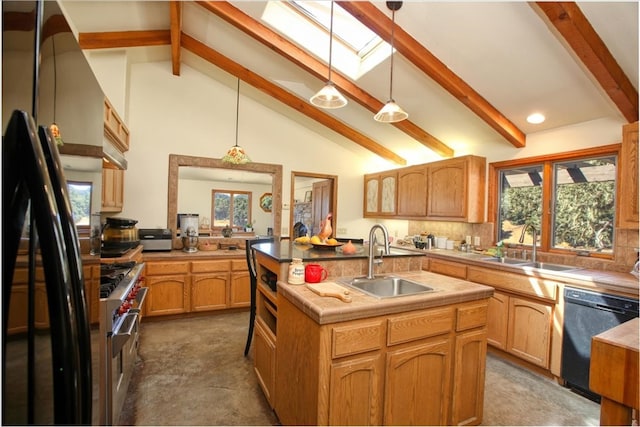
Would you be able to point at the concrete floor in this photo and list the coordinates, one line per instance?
(193, 372)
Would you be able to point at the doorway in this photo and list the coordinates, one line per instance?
(313, 196)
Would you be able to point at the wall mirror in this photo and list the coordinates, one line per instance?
(309, 211)
(188, 172)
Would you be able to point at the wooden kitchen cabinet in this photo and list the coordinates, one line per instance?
(240, 288)
(209, 291)
(628, 178)
(114, 128)
(393, 370)
(380, 194)
(447, 190)
(456, 189)
(356, 391)
(423, 373)
(112, 190)
(498, 320)
(529, 330)
(412, 191)
(169, 286)
(264, 359)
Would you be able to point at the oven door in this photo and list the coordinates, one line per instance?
(123, 348)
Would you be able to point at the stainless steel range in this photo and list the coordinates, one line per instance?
(121, 300)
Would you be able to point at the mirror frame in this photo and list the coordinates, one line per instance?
(334, 196)
(263, 199)
(176, 160)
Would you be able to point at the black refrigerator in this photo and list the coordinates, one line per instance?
(46, 365)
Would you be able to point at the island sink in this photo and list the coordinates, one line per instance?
(387, 287)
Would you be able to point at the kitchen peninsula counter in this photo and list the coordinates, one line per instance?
(624, 284)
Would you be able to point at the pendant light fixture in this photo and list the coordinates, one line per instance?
(55, 130)
(391, 112)
(236, 154)
(328, 96)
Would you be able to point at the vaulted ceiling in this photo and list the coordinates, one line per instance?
(467, 73)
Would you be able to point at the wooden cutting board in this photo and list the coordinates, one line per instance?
(330, 289)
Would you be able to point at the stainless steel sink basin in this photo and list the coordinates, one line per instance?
(387, 287)
(528, 264)
(510, 261)
(547, 266)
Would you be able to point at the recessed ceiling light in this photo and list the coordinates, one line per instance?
(535, 118)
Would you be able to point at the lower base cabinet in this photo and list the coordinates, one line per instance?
(177, 287)
(264, 359)
(521, 327)
(423, 367)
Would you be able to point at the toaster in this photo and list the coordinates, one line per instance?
(156, 239)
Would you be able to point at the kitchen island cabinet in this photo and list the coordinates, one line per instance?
(414, 360)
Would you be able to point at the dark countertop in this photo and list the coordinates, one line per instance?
(284, 251)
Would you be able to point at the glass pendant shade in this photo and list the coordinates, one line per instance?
(236, 154)
(390, 113)
(328, 97)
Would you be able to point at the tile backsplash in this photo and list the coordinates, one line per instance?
(626, 242)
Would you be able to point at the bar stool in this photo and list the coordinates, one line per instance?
(253, 278)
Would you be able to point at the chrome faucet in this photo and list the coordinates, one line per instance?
(372, 245)
(534, 233)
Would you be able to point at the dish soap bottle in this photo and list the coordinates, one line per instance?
(296, 272)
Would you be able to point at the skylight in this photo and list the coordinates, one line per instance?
(356, 49)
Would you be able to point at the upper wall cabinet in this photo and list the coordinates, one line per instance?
(380, 194)
(114, 128)
(412, 191)
(628, 178)
(456, 189)
(448, 190)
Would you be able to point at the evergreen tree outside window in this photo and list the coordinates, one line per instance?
(231, 208)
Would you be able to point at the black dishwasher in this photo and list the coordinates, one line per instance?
(586, 314)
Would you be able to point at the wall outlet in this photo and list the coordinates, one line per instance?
(342, 231)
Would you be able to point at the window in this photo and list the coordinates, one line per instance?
(231, 208)
(80, 200)
(569, 198)
(356, 49)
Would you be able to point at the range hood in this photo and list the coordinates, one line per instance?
(113, 156)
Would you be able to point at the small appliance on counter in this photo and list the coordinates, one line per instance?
(119, 235)
(156, 239)
(190, 240)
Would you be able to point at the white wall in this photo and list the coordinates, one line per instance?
(194, 114)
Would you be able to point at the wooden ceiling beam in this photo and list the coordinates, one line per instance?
(175, 11)
(120, 39)
(309, 63)
(287, 98)
(571, 24)
(407, 46)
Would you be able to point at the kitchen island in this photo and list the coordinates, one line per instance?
(415, 360)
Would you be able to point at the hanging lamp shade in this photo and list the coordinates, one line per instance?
(391, 112)
(236, 154)
(328, 96)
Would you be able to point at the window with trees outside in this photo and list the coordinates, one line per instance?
(80, 200)
(568, 198)
(230, 208)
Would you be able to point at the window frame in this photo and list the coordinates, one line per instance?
(232, 194)
(548, 192)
